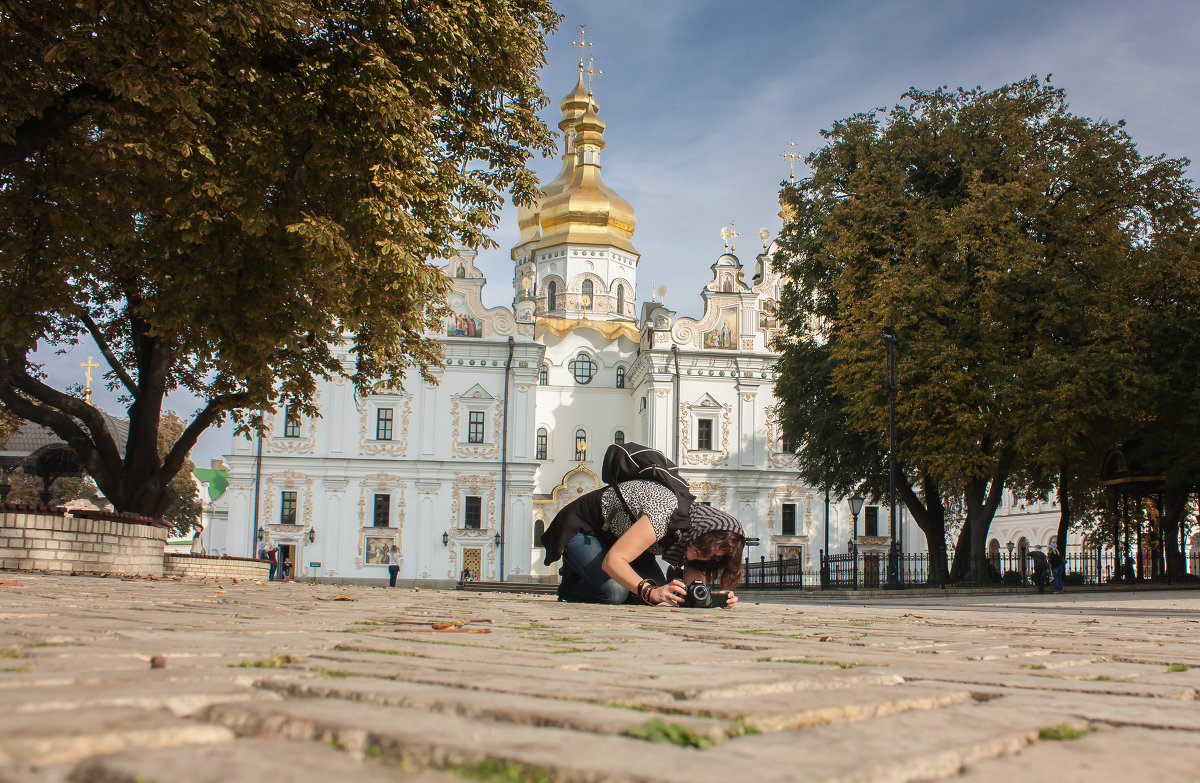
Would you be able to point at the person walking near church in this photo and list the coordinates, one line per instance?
(393, 565)
(273, 559)
(1041, 567)
(1058, 565)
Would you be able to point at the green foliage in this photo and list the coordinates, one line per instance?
(1178, 667)
(496, 771)
(1063, 732)
(1075, 578)
(1012, 579)
(1013, 246)
(239, 198)
(276, 661)
(658, 730)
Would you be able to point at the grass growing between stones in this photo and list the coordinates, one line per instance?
(811, 662)
(1063, 732)
(1036, 666)
(376, 651)
(1178, 667)
(276, 661)
(13, 651)
(658, 730)
(496, 771)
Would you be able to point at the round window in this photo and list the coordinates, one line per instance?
(583, 368)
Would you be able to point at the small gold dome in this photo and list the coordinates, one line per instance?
(586, 211)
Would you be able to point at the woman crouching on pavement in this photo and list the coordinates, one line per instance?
(609, 554)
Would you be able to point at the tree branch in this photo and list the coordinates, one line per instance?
(36, 133)
(57, 411)
(216, 406)
(109, 356)
(64, 427)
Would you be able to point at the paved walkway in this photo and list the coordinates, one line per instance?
(115, 681)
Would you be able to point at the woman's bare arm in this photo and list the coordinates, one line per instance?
(629, 547)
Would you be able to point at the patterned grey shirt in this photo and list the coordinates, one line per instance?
(644, 497)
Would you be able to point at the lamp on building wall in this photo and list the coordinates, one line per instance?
(445, 539)
(496, 539)
(312, 535)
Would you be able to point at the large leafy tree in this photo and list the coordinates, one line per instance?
(225, 194)
(998, 233)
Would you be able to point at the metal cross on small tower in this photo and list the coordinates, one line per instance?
(792, 156)
(88, 366)
(591, 72)
(730, 234)
(581, 44)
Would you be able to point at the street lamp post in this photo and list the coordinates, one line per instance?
(895, 579)
(825, 551)
(856, 502)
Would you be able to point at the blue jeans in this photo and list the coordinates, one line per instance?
(584, 580)
(1058, 577)
(274, 568)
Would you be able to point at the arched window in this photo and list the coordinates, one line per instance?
(551, 295)
(620, 377)
(619, 437)
(539, 530)
(586, 294)
(583, 368)
(994, 555)
(620, 299)
(580, 445)
(543, 438)
(544, 376)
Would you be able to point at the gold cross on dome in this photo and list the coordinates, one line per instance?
(592, 73)
(88, 366)
(792, 156)
(581, 44)
(730, 234)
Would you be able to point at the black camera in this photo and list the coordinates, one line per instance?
(701, 596)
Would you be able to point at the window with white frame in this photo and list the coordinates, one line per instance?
(383, 423)
(620, 377)
(619, 437)
(580, 445)
(704, 434)
(473, 512)
(287, 507)
(291, 422)
(543, 441)
(583, 368)
(475, 421)
(788, 527)
(383, 511)
(586, 294)
(543, 376)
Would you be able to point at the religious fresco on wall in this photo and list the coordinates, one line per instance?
(377, 549)
(768, 316)
(724, 333)
(460, 323)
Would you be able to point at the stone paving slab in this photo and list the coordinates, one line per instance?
(261, 760)
(780, 688)
(1106, 756)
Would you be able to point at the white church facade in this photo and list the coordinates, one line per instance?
(466, 473)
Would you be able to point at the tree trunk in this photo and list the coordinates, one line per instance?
(930, 517)
(1174, 504)
(981, 499)
(1064, 506)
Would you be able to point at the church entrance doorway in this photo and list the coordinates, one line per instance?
(473, 562)
(287, 560)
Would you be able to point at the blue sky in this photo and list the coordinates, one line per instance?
(701, 97)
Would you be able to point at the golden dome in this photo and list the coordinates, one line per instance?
(585, 211)
(574, 106)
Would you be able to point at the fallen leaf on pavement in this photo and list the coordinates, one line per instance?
(828, 639)
(338, 597)
(483, 620)
(9, 583)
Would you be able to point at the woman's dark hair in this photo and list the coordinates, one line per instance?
(726, 569)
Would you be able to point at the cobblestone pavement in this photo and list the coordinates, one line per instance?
(117, 681)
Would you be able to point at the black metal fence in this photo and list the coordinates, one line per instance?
(871, 570)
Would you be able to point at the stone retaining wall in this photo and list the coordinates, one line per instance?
(209, 567)
(50, 539)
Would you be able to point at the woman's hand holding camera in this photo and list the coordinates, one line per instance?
(670, 594)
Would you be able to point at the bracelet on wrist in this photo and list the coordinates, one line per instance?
(645, 587)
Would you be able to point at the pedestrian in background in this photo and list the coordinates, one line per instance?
(1058, 566)
(393, 565)
(273, 559)
(1041, 566)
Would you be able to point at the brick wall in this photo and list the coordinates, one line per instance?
(205, 566)
(49, 539)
